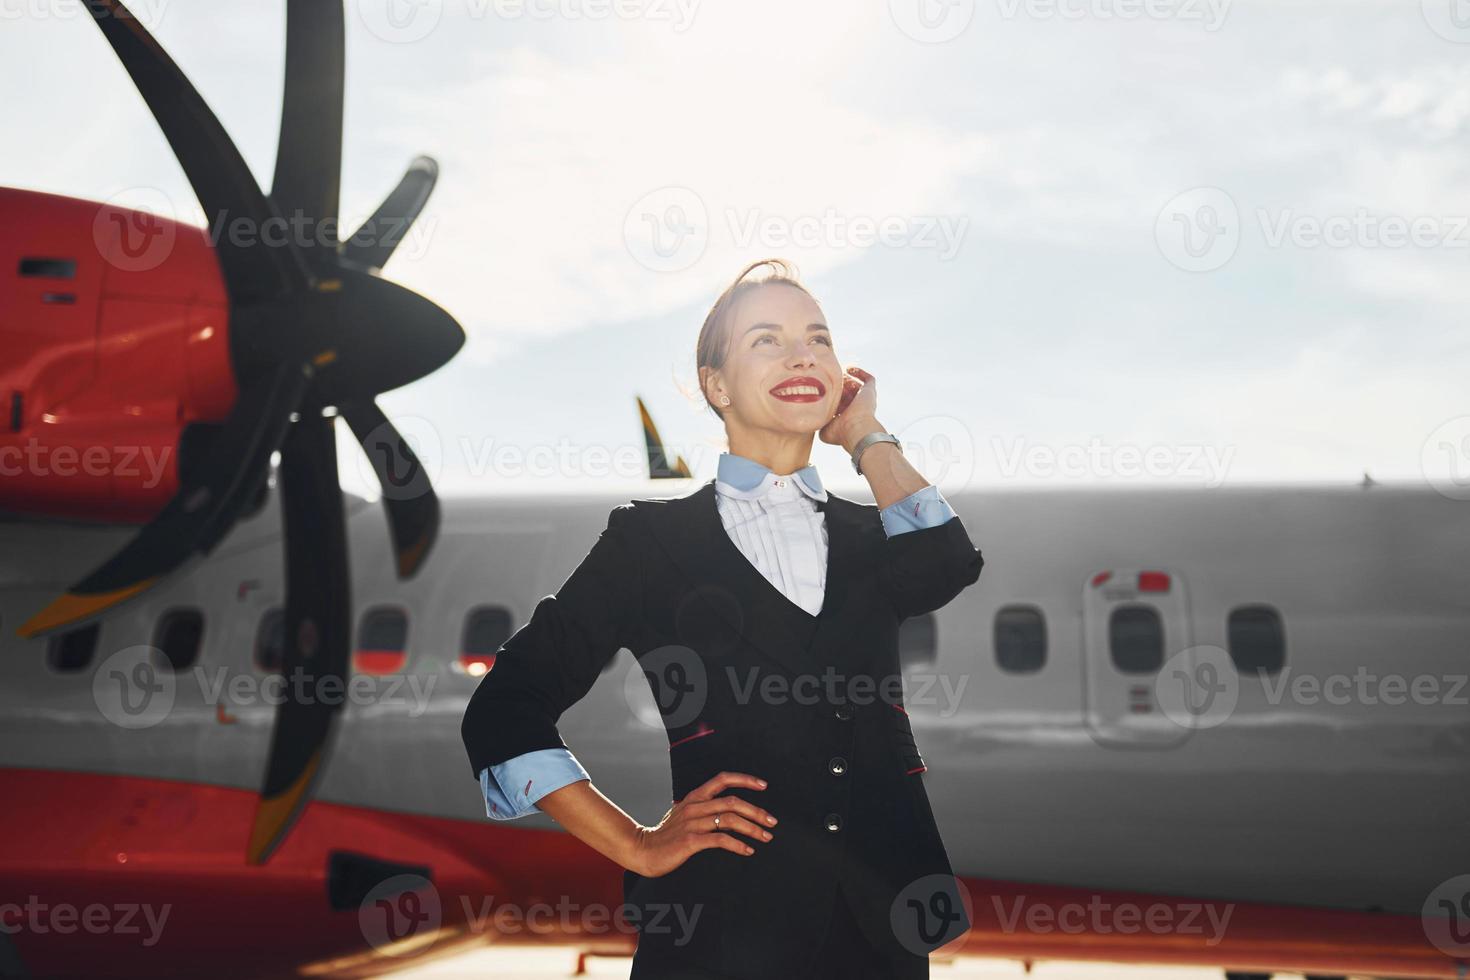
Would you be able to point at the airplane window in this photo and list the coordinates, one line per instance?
(916, 642)
(270, 641)
(486, 628)
(178, 635)
(1020, 639)
(382, 641)
(69, 652)
(49, 268)
(1136, 639)
(1257, 639)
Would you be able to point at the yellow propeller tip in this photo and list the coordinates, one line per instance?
(74, 607)
(274, 815)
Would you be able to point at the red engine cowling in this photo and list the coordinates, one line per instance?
(114, 339)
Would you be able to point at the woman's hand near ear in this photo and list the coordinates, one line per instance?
(857, 410)
(889, 475)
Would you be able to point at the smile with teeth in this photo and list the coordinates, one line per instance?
(799, 390)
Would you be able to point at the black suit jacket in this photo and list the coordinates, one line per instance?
(749, 681)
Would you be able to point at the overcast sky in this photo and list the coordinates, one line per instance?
(1231, 234)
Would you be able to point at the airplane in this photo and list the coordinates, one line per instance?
(172, 808)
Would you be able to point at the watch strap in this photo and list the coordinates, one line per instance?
(870, 439)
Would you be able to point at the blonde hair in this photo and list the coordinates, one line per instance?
(713, 345)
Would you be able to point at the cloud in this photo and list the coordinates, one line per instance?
(543, 160)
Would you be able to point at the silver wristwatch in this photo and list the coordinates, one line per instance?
(868, 440)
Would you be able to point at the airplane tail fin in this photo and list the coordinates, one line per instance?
(659, 466)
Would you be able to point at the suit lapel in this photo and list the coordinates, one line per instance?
(690, 531)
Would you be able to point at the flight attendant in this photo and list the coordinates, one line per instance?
(764, 611)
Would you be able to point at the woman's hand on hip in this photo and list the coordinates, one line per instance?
(699, 821)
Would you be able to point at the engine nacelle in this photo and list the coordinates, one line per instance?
(114, 339)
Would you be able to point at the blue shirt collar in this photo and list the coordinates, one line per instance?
(751, 479)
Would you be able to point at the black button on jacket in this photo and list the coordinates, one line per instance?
(749, 681)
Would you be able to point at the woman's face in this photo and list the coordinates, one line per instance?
(781, 373)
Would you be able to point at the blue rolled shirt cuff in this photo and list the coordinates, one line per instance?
(530, 776)
(922, 508)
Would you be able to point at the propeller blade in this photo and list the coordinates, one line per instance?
(372, 244)
(659, 467)
(408, 497)
(211, 496)
(317, 630)
(391, 336)
(226, 189)
(307, 182)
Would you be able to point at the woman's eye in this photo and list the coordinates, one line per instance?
(770, 337)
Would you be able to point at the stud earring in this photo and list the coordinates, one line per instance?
(724, 399)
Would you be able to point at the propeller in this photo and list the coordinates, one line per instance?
(314, 333)
(317, 630)
(413, 509)
(379, 235)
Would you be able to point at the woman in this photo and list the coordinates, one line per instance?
(765, 613)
